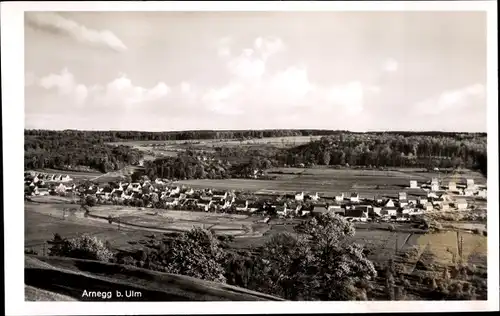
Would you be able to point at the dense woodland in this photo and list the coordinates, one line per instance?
(75, 151)
(389, 150)
(72, 149)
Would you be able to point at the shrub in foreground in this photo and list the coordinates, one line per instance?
(82, 247)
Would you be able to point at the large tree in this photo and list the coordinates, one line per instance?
(319, 262)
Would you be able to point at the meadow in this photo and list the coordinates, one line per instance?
(327, 182)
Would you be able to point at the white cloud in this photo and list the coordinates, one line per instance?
(253, 88)
(51, 21)
(268, 46)
(120, 91)
(391, 65)
(65, 85)
(452, 100)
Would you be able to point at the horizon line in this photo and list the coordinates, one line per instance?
(257, 129)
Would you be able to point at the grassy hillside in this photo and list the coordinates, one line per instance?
(55, 279)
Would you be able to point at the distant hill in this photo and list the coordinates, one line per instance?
(65, 279)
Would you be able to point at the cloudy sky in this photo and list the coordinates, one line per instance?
(161, 71)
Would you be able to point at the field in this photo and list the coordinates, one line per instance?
(43, 220)
(327, 182)
(154, 149)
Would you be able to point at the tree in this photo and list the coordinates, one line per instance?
(326, 158)
(319, 262)
(89, 201)
(82, 247)
(197, 253)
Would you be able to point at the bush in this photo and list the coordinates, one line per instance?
(485, 233)
(476, 231)
(83, 247)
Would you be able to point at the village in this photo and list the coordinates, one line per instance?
(161, 193)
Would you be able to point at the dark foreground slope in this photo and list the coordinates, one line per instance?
(54, 279)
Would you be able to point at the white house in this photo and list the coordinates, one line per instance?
(41, 191)
(422, 200)
(134, 187)
(469, 192)
(413, 184)
(470, 184)
(432, 195)
(314, 196)
(299, 196)
(482, 194)
(402, 196)
(354, 198)
(281, 210)
(461, 204)
(452, 186)
(339, 198)
(434, 187)
(389, 203)
(158, 181)
(66, 178)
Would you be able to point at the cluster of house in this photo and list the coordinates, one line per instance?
(159, 192)
(44, 183)
(467, 189)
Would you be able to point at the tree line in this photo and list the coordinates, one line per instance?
(114, 136)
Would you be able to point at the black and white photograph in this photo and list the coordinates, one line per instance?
(240, 155)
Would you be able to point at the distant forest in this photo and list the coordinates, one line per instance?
(75, 150)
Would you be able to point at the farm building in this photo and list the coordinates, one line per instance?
(434, 187)
(339, 198)
(413, 184)
(412, 202)
(354, 198)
